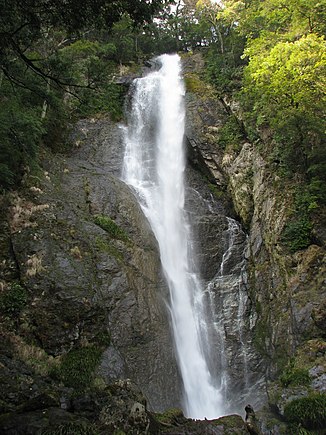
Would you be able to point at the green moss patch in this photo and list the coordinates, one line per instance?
(196, 85)
(109, 225)
(170, 416)
(13, 299)
(78, 366)
(103, 246)
(295, 377)
(71, 428)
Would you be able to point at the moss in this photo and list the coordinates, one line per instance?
(295, 377)
(103, 338)
(261, 332)
(230, 422)
(217, 192)
(71, 428)
(108, 224)
(169, 416)
(77, 367)
(103, 246)
(309, 412)
(13, 299)
(196, 85)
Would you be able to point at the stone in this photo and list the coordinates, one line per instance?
(112, 287)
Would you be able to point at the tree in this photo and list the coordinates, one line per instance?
(48, 49)
(285, 87)
(25, 22)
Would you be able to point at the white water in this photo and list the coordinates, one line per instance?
(154, 166)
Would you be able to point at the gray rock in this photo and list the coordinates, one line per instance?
(85, 282)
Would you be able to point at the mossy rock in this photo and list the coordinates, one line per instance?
(13, 299)
(196, 85)
(178, 424)
(295, 377)
(71, 428)
(78, 366)
(111, 227)
(170, 416)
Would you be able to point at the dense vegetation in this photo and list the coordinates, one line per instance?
(270, 56)
(59, 60)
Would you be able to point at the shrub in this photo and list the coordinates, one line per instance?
(295, 377)
(230, 135)
(297, 234)
(310, 411)
(13, 299)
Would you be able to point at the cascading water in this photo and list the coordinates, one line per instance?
(154, 166)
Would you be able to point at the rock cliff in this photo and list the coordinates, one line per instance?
(83, 297)
(286, 291)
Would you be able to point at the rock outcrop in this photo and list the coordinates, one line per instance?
(87, 266)
(286, 291)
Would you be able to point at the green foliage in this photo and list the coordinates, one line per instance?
(107, 99)
(295, 377)
(103, 338)
(297, 232)
(71, 428)
(310, 411)
(274, 54)
(90, 64)
(48, 73)
(194, 84)
(284, 88)
(224, 70)
(13, 299)
(20, 131)
(77, 367)
(284, 80)
(111, 227)
(231, 134)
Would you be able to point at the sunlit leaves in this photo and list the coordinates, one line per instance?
(291, 74)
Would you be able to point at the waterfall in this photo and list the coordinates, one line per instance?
(154, 167)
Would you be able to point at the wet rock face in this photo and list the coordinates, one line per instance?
(285, 291)
(207, 217)
(228, 297)
(86, 282)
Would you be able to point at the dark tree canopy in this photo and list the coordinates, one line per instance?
(23, 22)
